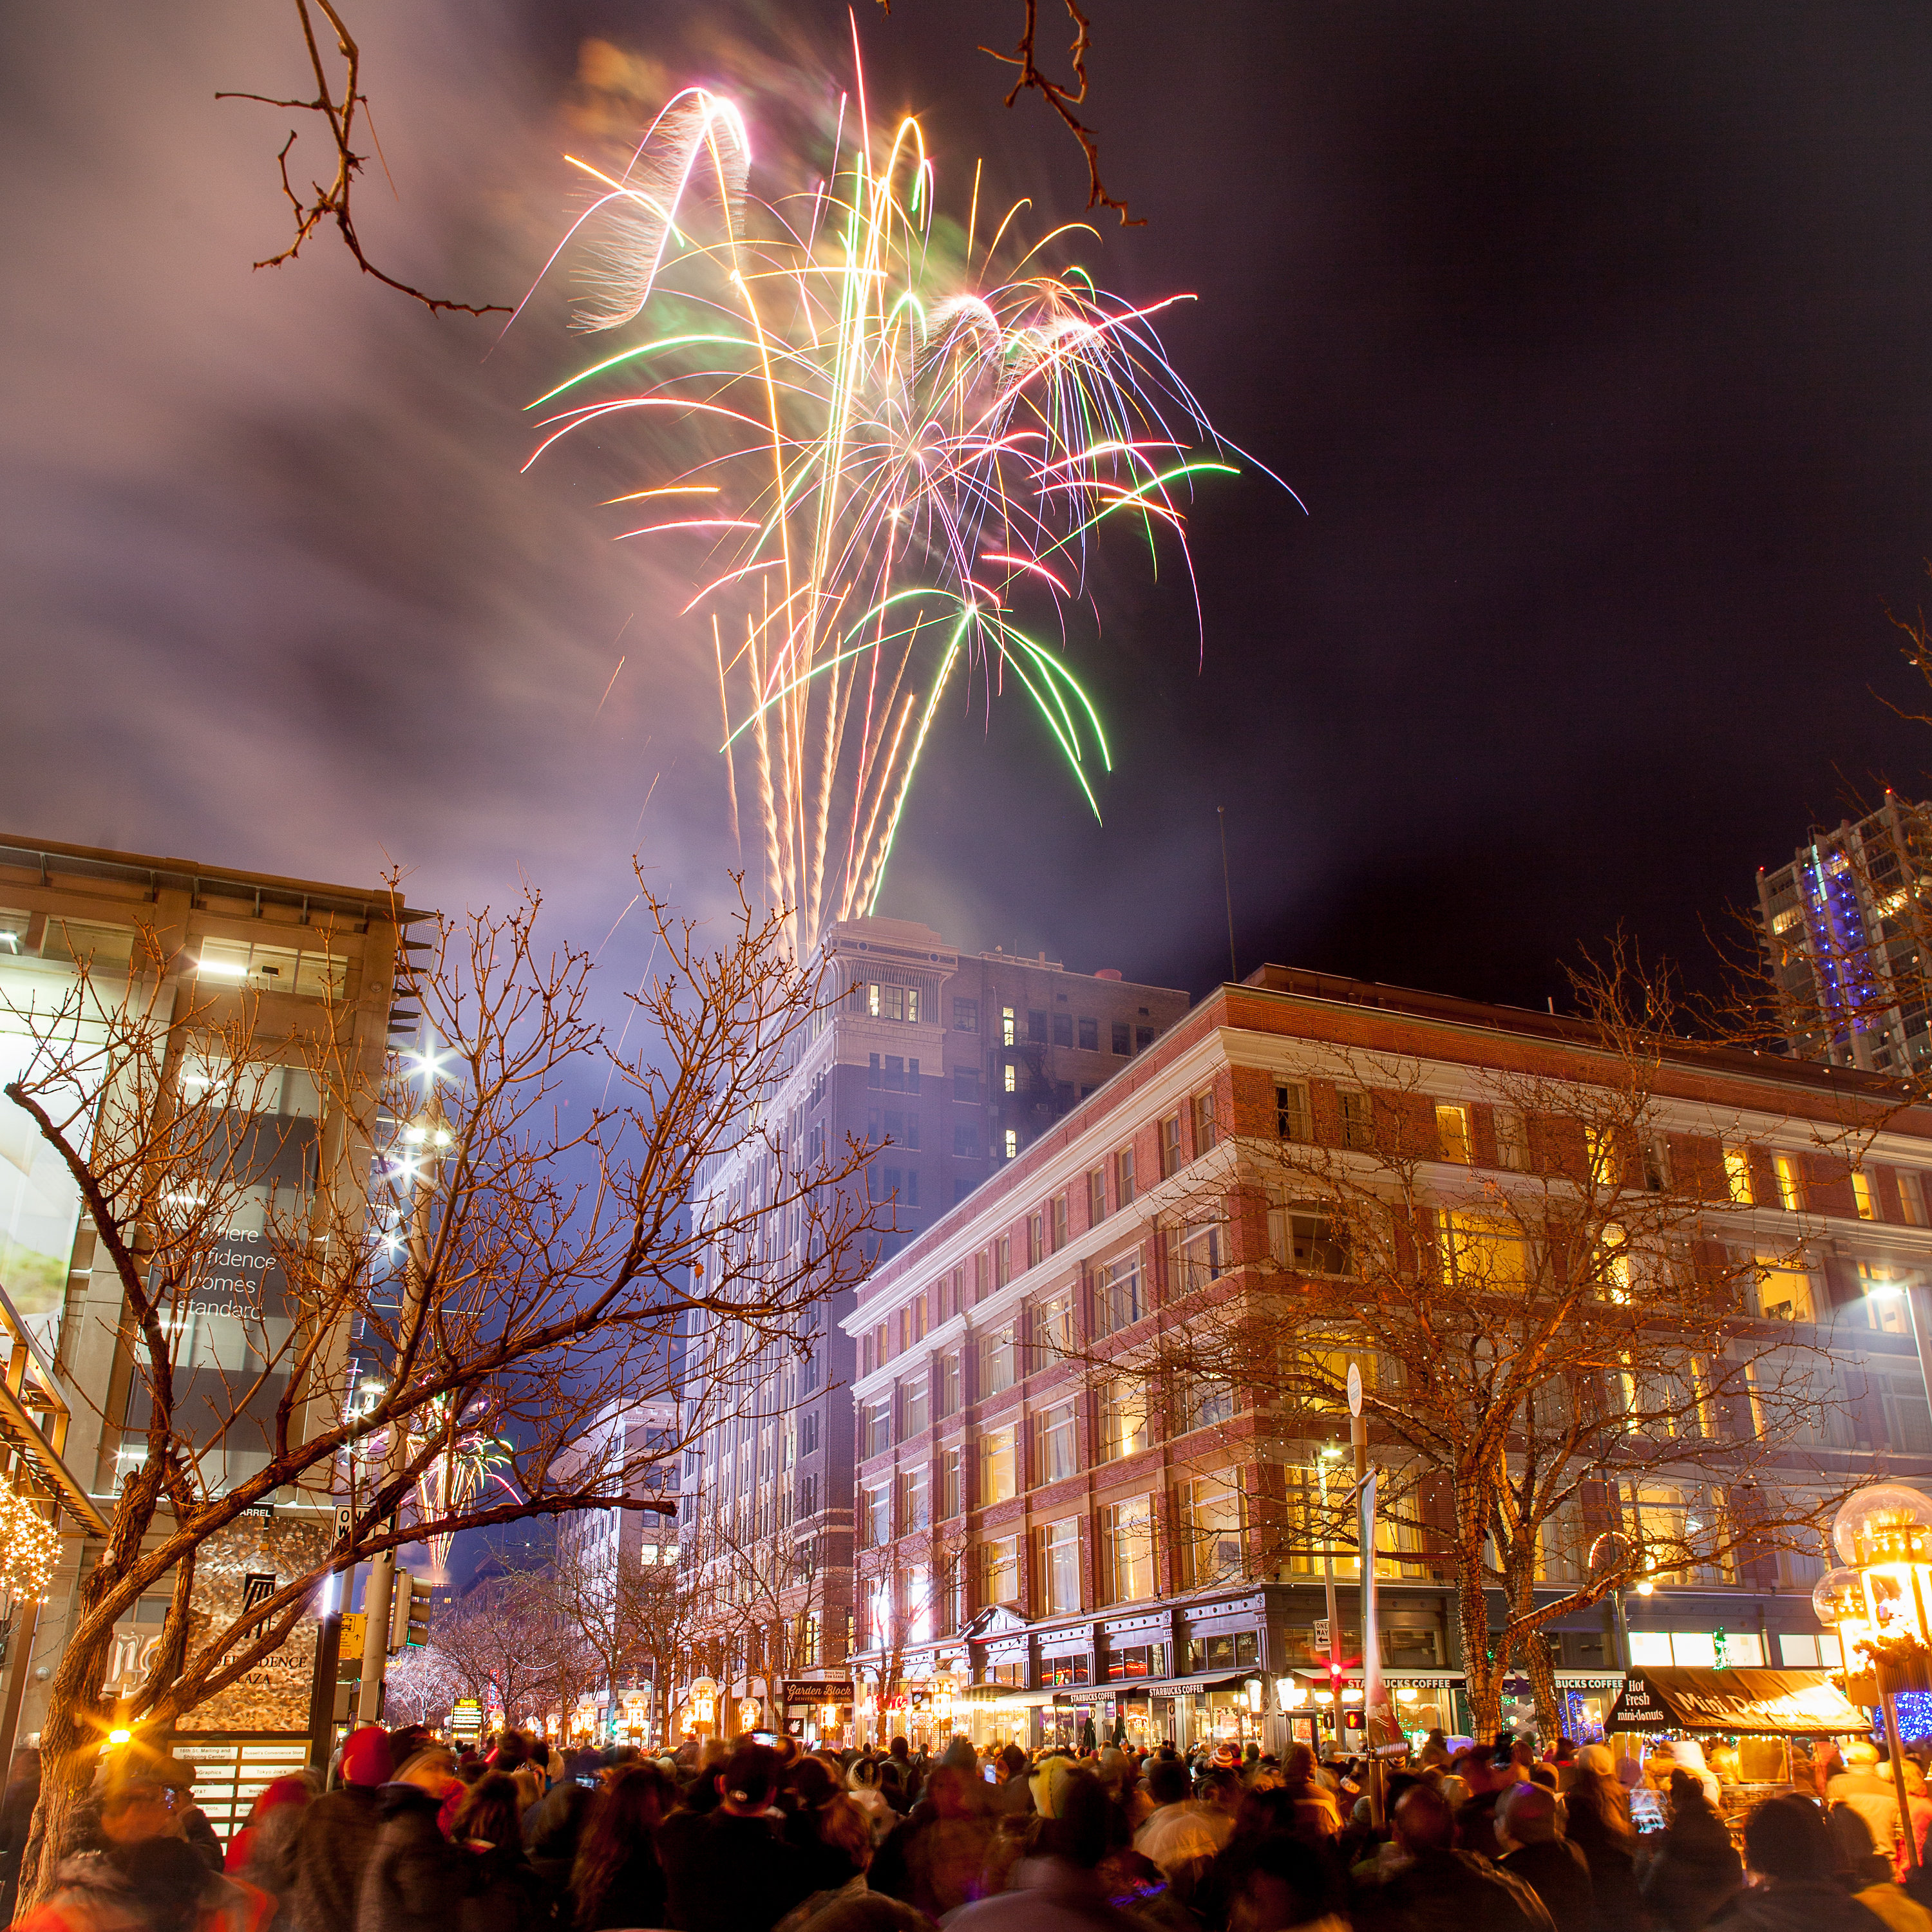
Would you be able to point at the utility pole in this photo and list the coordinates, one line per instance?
(1365, 1546)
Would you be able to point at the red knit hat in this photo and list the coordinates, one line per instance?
(365, 1757)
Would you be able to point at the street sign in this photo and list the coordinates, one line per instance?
(345, 1521)
(1354, 1388)
(354, 1625)
(1321, 1635)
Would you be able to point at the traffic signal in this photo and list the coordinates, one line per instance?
(409, 1612)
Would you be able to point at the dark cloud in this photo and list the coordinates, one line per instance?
(1593, 342)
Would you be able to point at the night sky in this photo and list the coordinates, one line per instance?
(1595, 341)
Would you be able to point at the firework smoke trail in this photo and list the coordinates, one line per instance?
(895, 447)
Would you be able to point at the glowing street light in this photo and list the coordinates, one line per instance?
(1880, 1601)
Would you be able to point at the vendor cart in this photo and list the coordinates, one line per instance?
(1762, 1710)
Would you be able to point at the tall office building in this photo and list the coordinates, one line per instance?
(282, 963)
(1844, 926)
(950, 1065)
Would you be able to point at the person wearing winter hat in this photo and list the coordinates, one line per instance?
(263, 1852)
(141, 1792)
(337, 1836)
(1687, 1754)
(1869, 1793)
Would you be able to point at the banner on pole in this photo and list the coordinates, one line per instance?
(1377, 1718)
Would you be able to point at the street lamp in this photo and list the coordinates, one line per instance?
(1880, 1602)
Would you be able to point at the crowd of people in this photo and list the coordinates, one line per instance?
(411, 1836)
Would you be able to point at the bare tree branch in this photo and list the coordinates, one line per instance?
(331, 203)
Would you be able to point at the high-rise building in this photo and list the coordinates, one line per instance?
(1845, 926)
(283, 963)
(950, 1065)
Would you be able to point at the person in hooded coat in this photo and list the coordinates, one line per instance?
(416, 1879)
(1687, 1755)
(337, 1837)
(1695, 1868)
(263, 1852)
(1789, 1848)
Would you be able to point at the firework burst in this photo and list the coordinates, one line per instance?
(907, 435)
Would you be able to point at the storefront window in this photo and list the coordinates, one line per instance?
(1076, 1667)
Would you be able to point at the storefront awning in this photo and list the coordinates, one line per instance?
(1776, 1703)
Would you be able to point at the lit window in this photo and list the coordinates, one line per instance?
(1911, 1200)
(1012, 1140)
(1861, 1193)
(1783, 1294)
(1125, 1426)
(1011, 1080)
(1009, 1030)
(1738, 1174)
(1057, 1548)
(274, 969)
(1000, 1571)
(1127, 1544)
(1452, 1133)
(997, 1466)
(1787, 1182)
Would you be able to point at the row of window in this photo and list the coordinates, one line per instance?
(108, 947)
(1043, 1333)
(1107, 1189)
(1131, 1662)
(1028, 1453)
(1455, 1141)
(1203, 1536)
(1040, 1028)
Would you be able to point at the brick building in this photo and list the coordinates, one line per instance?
(951, 1066)
(1039, 1546)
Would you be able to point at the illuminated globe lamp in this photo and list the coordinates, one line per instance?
(1838, 1602)
(1885, 1533)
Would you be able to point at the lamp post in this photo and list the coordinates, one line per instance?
(1880, 1601)
(1330, 1453)
(425, 1140)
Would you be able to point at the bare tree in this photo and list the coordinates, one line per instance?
(906, 1586)
(532, 1266)
(510, 1642)
(1558, 1332)
(422, 1684)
